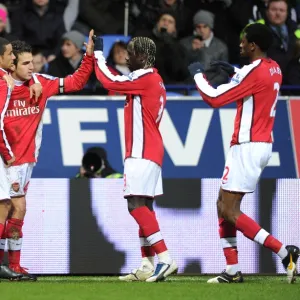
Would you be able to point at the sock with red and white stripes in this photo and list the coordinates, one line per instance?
(147, 252)
(14, 236)
(2, 242)
(227, 233)
(150, 229)
(254, 232)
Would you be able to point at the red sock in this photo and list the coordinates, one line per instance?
(227, 233)
(149, 226)
(2, 241)
(14, 235)
(254, 232)
(272, 244)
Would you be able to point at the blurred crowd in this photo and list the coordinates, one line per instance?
(184, 31)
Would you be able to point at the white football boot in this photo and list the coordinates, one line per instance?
(162, 271)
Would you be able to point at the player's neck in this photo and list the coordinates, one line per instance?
(256, 56)
(17, 79)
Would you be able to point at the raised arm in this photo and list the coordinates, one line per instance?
(134, 83)
(240, 86)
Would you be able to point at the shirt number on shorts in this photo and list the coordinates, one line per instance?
(226, 171)
(161, 109)
(273, 108)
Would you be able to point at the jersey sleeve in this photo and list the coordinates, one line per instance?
(135, 83)
(5, 93)
(71, 83)
(241, 85)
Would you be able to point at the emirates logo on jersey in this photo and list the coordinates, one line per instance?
(20, 109)
(18, 112)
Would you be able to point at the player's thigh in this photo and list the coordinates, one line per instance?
(244, 165)
(141, 177)
(159, 184)
(19, 177)
(19, 203)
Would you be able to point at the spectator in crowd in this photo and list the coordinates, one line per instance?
(292, 76)
(105, 16)
(40, 26)
(285, 32)
(95, 165)
(116, 59)
(150, 10)
(170, 57)
(259, 8)
(69, 58)
(117, 62)
(203, 46)
(39, 61)
(4, 24)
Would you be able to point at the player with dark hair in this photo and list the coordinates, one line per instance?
(144, 106)
(23, 126)
(6, 155)
(255, 88)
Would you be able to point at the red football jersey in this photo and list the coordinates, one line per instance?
(255, 88)
(144, 106)
(5, 94)
(23, 119)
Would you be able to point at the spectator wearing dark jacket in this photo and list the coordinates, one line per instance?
(203, 46)
(150, 10)
(285, 33)
(170, 57)
(292, 75)
(40, 26)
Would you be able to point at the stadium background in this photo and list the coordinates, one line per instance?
(79, 226)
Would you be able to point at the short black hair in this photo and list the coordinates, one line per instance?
(36, 51)
(20, 47)
(259, 34)
(3, 44)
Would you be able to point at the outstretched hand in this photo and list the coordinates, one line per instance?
(195, 68)
(90, 44)
(98, 41)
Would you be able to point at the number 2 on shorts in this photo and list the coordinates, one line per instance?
(226, 171)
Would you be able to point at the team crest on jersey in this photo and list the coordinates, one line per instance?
(162, 85)
(15, 186)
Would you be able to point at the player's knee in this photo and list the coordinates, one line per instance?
(228, 215)
(134, 203)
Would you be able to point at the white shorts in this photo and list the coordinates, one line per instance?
(244, 165)
(19, 178)
(142, 177)
(4, 183)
